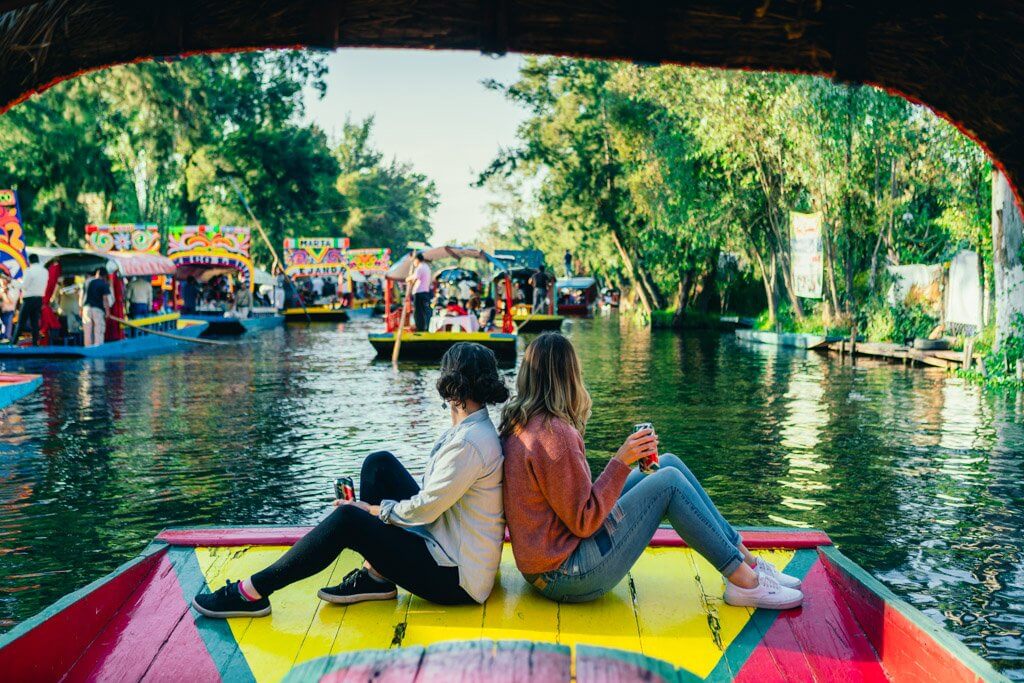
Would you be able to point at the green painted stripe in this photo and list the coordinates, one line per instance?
(216, 633)
(752, 633)
(947, 640)
(80, 594)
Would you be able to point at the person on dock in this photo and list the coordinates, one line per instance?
(440, 540)
(96, 300)
(140, 297)
(33, 289)
(419, 285)
(575, 539)
(540, 281)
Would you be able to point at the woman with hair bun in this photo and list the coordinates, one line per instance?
(440, 540)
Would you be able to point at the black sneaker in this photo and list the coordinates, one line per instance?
(358, 586)
(228, 602)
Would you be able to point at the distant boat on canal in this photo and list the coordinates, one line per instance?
(445, 330)
(16, 387)
(205, 252)
(330, 259)
(666, 623)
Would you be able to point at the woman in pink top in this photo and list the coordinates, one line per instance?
(574, 539)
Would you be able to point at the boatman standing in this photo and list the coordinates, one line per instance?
(96, 301)
(540, 281)
(419, 284)
(33, 288)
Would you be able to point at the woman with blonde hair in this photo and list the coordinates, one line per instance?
(574, 539)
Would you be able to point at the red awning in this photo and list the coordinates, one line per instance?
(136, 264)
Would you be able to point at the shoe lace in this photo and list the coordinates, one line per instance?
(769, 583)
(352, 577)
(765, 567)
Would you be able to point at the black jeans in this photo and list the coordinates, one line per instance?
(29, 317)
(421, 310)
(398, 554)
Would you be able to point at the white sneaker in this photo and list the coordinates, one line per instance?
(764, 567)
(768, 594)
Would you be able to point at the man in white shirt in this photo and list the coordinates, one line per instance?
(140, 297)
(419, 285)
(318, 286)
(33, 287)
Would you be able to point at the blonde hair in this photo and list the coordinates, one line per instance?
(549, 383)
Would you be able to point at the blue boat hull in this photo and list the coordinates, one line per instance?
(222, 325)
(145, 343)
(9, 393)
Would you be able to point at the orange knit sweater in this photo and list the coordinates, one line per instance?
(551, 503)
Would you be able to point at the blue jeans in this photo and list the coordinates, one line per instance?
(601, 561)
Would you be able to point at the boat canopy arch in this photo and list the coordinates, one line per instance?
(403, 267)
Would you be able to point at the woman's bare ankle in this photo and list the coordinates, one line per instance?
(744, 576)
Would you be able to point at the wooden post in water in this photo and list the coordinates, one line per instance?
(968, 353)
(853, 345)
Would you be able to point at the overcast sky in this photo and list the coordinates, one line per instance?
(431, 110)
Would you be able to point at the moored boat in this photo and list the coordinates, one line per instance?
(794, 340)
(202, 253)
(445, 331)
(16, 387)
(526, 319)
(665, 622)
(147, 334)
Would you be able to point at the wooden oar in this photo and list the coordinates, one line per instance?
(406, 305)
(159, 333)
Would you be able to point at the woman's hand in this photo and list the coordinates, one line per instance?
(372, 509)
(637, 445)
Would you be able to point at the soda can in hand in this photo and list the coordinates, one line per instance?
(345, 488)
(649, 463)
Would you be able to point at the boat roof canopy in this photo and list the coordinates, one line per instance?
(403, 267)
(85, 262)
(576, 283)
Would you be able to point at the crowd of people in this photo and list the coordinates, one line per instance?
(451, 302)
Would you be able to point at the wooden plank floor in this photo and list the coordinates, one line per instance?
(667, 614)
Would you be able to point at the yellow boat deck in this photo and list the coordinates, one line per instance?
(669, 608)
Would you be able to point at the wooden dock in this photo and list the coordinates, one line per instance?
(900, 353)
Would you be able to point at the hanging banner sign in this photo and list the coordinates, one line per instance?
(123, 237)
(198, 247)
(369, 261)
(316, 256)
(806, 254)
(13, 257)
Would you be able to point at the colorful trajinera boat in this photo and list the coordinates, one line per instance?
(360, 271)
(445, 332)
(16, 387)
(665, 622)
(205, 252)
(157, 332)
(575, 296)
(526, 319)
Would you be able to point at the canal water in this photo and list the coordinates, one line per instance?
(918, 477)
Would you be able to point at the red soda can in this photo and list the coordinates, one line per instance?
(650, 463)
(345, 488)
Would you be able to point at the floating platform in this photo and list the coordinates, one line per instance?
(939, 358)
(541, 322)
(665, 622)
(16, 387)
(222, 325)
(794, 340)
(432, 345)
(140, 342)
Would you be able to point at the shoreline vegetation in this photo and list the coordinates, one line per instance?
(677, 186)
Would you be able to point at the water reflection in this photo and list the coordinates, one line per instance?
(919, 477)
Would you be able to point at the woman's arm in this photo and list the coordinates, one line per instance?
(560, 468)
(456, 467)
